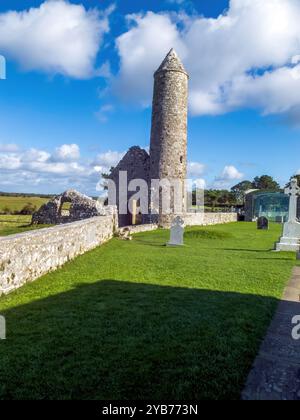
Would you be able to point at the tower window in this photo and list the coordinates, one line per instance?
(181, 159)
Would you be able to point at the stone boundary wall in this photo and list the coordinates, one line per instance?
(191, 219)
(139, 228)
(27, 256)
(206, 219)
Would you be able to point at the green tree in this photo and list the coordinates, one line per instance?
(239, 190)
(211, 198)
(225, 198)
(106, 176)
(265, 182)
(296, 176)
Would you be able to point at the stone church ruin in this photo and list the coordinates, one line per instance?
(167, 159)
(81, 207)
(27, 256)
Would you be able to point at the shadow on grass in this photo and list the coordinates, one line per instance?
(119, 340)
(279, 258)
(153, 244)
(247, 250)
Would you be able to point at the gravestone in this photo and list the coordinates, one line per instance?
(262, 223)
(177, 231)
(290, 240)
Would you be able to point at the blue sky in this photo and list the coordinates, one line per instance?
(79, 79)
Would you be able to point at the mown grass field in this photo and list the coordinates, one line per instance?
(139, 320)
(10, 225)
(17, 203)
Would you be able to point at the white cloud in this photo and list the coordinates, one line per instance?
(246, 57)
(195, 169)
(57, 37)
(67, 152)
(229, 175)
(200, 183)
(141, 50)
(108, 159)
(38, 170)
(104, 111)
(9, 162)
(34, 155)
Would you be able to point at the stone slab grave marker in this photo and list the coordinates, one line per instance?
(177, 231)
(262, 223)
(279, 219)
(290, 240)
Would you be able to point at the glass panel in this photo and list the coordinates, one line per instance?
(271, 205)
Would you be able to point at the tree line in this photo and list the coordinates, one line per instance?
(235, 196)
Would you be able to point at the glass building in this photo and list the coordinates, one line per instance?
(273, 205)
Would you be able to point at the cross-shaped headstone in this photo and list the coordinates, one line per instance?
(293, 191)
(177, 231)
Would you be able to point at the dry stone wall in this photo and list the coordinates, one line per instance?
(81, 207)
(206, 219)
(140, 228)
(27, 256)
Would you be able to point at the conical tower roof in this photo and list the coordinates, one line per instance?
(171, 63)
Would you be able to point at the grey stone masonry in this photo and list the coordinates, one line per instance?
(191, 219)
(136, 162)
(207, 219)
(25, 257)
(139, 228)
(81, 207)
(168, 146)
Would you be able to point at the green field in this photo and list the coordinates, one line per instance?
(17, 203)
(138, 320)
(10, 225)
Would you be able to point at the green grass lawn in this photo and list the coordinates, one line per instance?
(10, 225)
(17, 203)
(133, 320)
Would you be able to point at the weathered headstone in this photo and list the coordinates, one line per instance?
(279, 219)
(177, 231)
(290, 240)
(262, 223)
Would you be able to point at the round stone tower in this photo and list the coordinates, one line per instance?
(168, 147)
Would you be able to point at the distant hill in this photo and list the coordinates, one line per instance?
(7, 194)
